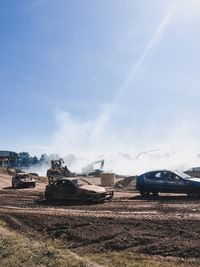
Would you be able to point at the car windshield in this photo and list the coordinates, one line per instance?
(80, 182)
(24, 176)
(183, 175)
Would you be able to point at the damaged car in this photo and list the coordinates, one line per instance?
(167, 181)
(23, 180)
(67, 189)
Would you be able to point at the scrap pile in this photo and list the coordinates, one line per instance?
(126, 182)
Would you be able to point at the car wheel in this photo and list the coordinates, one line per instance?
(192, 195)
(144, 193)
(155, 194)
(48, 197)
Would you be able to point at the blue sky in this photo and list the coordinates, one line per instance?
(103, 76)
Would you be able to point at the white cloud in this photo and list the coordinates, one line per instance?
(188, 9)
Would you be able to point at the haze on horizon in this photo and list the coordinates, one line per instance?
(110, 78)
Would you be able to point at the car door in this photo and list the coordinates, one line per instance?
(153, 182)
(16, 180)
(172, 183)
(66, 189)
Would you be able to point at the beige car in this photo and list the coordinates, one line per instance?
(23, 180)
(76, 189)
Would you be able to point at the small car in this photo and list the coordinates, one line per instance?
(76, 189)
(23, 180)
(167, 181)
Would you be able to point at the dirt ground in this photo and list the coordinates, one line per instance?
(168, 226)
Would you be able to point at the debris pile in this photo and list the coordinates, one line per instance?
(127, 181)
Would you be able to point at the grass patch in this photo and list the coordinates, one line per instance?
(129, 259)
(17, 250)
(2, 223)
(21, 252)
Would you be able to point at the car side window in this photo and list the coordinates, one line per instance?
(170, 176)
(158, 176)
(153, 176)
(69, 185)
(66, 184)
(60, 183)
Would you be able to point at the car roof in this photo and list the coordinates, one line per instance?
(22, 173)
(69, 178)
(182, 174)
(160, 170)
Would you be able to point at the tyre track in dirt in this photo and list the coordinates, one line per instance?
(167, 226)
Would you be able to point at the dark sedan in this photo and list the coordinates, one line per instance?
(166, 181)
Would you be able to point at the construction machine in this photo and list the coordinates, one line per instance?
(58, 171)
(96, 172)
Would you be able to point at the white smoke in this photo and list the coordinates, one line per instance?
(174, 146)
(79, 144)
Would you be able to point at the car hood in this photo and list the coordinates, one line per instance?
(27, 180)
(94, 188)
(193, 179)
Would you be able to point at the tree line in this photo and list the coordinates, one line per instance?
(24, 160)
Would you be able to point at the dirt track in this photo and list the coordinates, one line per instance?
(167, 226)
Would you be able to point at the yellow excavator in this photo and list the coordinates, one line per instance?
(96, 172)
(58, 171)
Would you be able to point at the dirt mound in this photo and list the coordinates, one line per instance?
(93, 235)
(165, 226)
(127, 181)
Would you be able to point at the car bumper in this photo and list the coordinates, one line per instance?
(101, 197)
(98, 197)
(27, 184)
